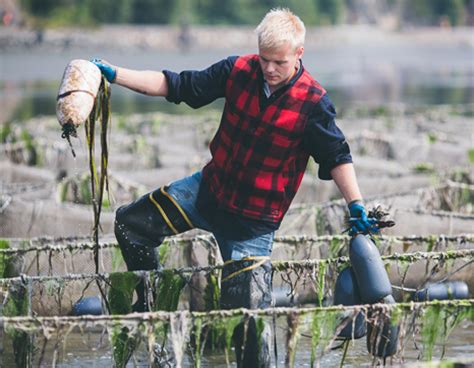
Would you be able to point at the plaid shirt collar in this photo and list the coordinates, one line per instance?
(279, 91)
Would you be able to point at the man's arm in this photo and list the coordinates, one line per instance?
(195, 88)
(345, 178)
(148, 82)
(327, 144)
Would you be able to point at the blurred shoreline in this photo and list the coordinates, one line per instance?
(126, 37)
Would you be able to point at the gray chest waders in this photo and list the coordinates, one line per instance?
(140, 227)
(247, 283)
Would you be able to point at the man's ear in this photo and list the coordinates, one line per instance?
(300, 52)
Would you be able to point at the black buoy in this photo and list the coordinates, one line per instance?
(382, 336)
(370, 273)
(443, 291)
(347, 293)
(89, 305)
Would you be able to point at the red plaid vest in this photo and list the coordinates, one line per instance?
(258, 159)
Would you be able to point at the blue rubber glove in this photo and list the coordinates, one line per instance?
(359, 222)
(108, 71)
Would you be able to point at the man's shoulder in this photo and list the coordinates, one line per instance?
(246, 63)
(311, 85)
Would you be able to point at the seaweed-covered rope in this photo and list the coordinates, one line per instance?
(277, 266)
(56, 245)
(35, 323)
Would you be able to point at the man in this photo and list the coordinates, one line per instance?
(275, 116)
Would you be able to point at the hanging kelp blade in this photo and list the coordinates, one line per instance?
(100, 110)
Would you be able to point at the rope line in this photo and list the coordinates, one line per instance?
(70, 245)
(88, 320)
(277, 266)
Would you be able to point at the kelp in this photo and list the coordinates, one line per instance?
(120, 296)
(169, 287)
(4, 259)
(320, 324)
(438, 321)
(122, 286)
(101, 110)
(15, 306)
(123, 343)
(322, 330)
(223, 329)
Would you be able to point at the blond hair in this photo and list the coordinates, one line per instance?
(280, 26)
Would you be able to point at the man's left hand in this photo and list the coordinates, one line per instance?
(359, 222)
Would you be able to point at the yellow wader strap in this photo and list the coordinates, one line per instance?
(170, 210)
(186, 218)
(260, 261)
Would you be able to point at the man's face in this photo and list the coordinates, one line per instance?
(279, 64)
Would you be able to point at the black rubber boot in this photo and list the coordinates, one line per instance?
(139, 230)
(249, 289)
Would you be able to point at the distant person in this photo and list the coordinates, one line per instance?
(275, 117)
(184, 36)
(7, 18)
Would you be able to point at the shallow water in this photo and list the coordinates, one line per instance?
(29, 79)
(92, 350)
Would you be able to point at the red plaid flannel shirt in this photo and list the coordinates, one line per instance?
(258, 160)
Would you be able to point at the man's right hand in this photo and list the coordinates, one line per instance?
(108, 70)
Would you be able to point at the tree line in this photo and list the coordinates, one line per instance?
(235, 12)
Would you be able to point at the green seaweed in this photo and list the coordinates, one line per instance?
(117, 259)
(124, 344)
(322, 330)
(438, 321)
(197, 335)
(224, 328)
(85, 189)
(320, 278)
(260, 327)
(470, 155)
(168, 291)
(396, 314)
(164, 252)
(5, 259)
(212, 291)
(5, 132)
(30, 147)
(17, 304)
(335, 247)
(431, 242)
(63, 188)
(432, 324)
(424, 168)
(122, 286)
(432, 138)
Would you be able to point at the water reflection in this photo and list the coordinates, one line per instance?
(24, 101)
